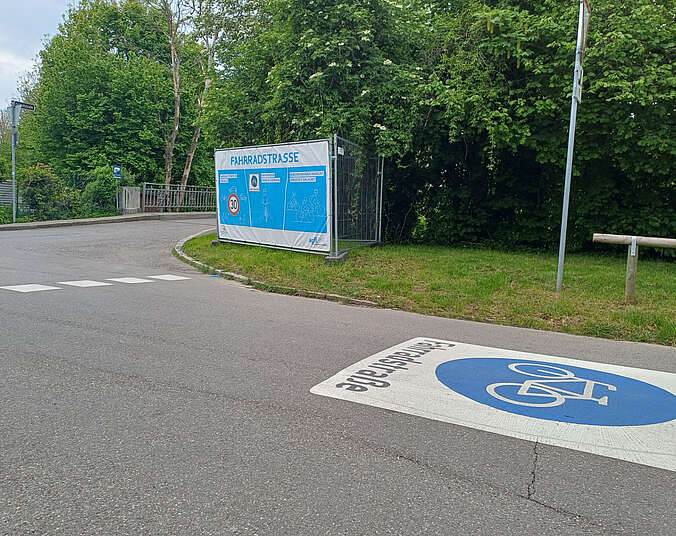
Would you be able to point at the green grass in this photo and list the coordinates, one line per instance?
(509, 288)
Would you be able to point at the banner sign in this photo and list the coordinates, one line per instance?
(275, 195)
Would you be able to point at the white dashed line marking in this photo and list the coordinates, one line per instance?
(168, 277)
(30, 288)
(130, 280)
(88, 283)
(84, 283)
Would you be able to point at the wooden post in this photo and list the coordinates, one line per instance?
(632, 255)
(632, 265)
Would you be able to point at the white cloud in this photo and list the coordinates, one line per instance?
(12, 67)
(23, 27)
(11, 63)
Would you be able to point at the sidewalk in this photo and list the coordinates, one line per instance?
(107, 219)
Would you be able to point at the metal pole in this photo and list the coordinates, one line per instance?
(571, 144)
(12, 115)
(632, 264)
(335, 193)
(380, 201)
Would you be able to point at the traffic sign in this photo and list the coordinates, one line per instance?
(255, 182)
(610, 410)
(117, 171)
(15, 111)
(233, 204)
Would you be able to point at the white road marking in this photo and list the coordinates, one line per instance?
(85, 283)
(30, 288)
(130, 280)
(88, 283)
(610, 410)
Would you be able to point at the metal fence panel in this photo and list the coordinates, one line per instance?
(5, 193)
(358, 190)
(129, 200)
(161, 198)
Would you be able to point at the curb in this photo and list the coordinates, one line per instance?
(106, 219)
(260, 285)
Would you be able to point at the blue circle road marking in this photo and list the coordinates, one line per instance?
(558, 392)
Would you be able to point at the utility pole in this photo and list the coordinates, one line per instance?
(14, 112)
(582, 26)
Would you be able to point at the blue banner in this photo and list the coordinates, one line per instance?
(275, 195)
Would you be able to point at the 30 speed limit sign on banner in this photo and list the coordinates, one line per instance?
(233, 204)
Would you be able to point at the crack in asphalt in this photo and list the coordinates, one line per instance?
(294, 412)
(499, 491)
(533, 473)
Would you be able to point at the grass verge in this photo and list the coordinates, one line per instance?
(511, 288)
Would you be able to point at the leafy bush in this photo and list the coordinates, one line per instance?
(100, 193)
(44, 195)
(42, 192)
(5, 214)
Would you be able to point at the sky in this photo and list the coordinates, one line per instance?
(23, 26)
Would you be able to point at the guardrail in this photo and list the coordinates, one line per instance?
(632, 255)
(163, 198)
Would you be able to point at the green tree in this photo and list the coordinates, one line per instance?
(104, 94)
(501, 92)
(311, 69)
(5, 146)
(469, 100)
(217, 25)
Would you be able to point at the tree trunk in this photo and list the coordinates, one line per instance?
(171, 139)
(188, 161)
(195, 140)
(172, 27)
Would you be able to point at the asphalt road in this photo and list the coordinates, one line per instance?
(183, 407)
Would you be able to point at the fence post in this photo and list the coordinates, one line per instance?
(143, 198)
(335, 194)
(632, 255)
(632, 265)
(381, 165)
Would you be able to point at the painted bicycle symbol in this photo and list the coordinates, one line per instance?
(548, 389)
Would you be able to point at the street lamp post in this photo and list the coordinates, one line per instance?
(14, 112)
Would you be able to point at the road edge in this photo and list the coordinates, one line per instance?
(259, 285)
(106, 219)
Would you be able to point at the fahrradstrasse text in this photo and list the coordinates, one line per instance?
(377, 373)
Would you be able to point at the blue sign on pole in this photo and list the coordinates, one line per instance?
(117, 171)
(558, 392)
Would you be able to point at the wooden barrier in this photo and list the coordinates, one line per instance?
(632, 255)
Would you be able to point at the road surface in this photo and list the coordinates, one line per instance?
(183, 406)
